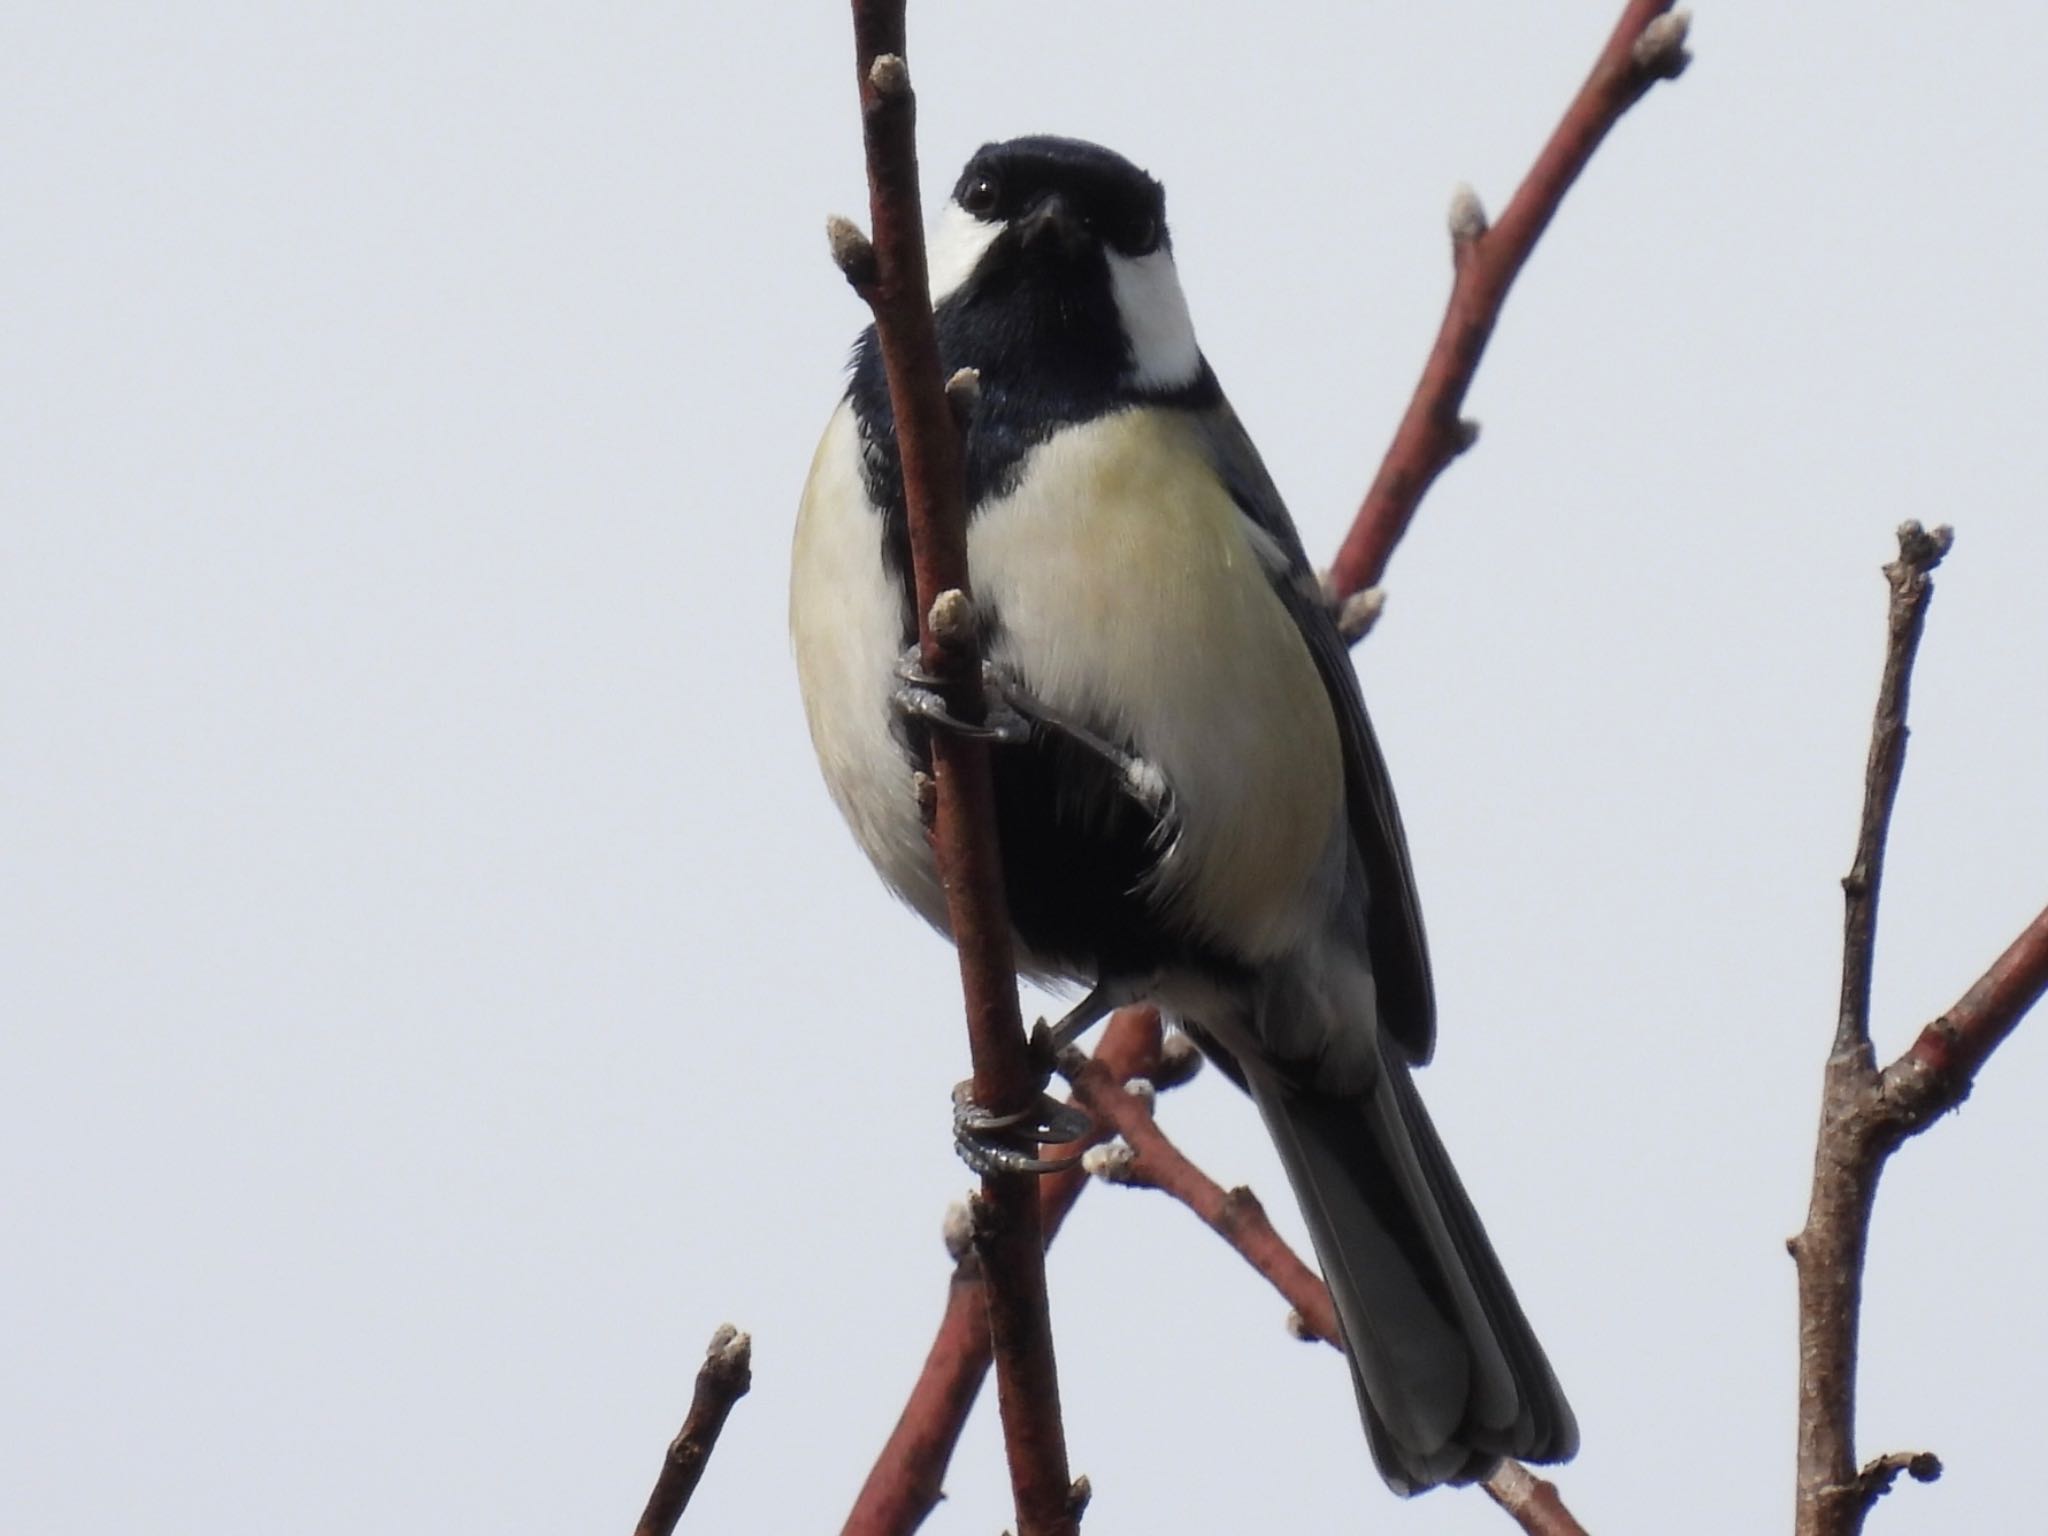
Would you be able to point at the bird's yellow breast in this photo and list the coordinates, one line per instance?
(1131, 598)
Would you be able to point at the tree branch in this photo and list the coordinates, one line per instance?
(1646, 46)
(1911, 579)
(722, 1380)
(891, 275)
(905, 1483)
(1143, 1155)
(1867, 1114)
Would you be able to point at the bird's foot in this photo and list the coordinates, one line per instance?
(991, 1143)
(920, 696)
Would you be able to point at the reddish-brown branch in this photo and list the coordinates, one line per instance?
(905, 1482)
(722, 1380)
(1950, 1050)
(1148, 1158)
(1866, 1114)
(891, 276)
(1646, 46)
(1145, 1156)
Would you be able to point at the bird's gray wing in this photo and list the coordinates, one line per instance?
(1394, 938)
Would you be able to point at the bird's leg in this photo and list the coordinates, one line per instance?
(990, 1143)
(1103, 999)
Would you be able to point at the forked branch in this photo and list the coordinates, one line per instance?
(1867, 1113)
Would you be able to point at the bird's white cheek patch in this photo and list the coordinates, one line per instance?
(1155, 318)
(956, 248)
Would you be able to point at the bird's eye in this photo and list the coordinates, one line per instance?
(1141, 237)
(978, 197)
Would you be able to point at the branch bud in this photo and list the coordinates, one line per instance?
(1467, 217)
(1357, 614)
(1110, 1162)
(890, 76)
(963, 394)
(852, 252)
(952, 618)
(958, 1231)
(730, 1351)
(1143, 1089)
(1659, 50)
(1079, 1495)
(1179, 1061)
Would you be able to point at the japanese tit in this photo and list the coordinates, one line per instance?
(1192, 806)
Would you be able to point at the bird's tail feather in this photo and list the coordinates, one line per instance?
(1449, 1375)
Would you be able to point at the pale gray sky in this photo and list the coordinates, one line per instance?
(437, 990)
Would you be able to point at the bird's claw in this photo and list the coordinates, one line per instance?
(919, 696)
(992, 1143)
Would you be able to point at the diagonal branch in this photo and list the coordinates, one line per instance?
(1934, 1076)
(1867, 1114)
(1647, 45)
(722, 1380)
(891, 276)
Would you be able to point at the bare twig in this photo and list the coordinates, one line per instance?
(1143, 1155)
(722, 1380)
(1911, 578)
(1866, 1114)
(905, 1483)
(895, 284)
(1646, 46)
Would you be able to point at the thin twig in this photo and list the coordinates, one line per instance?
(1143, 1155)
(892, 278)
(1646, 46)
(906, 1481)
(722, 1380)
(1911, 578)
(1867, 1114)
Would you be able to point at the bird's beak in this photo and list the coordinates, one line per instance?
(1053, 226)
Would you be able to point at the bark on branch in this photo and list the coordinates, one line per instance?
(890, 274)
(722, 1380)
(1647, 45)
(1867, 1112)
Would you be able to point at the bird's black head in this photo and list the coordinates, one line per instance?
(1052, 258)
(1053, 277)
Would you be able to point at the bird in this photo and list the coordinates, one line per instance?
(1191, 804)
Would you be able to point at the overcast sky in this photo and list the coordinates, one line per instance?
(437, 990)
